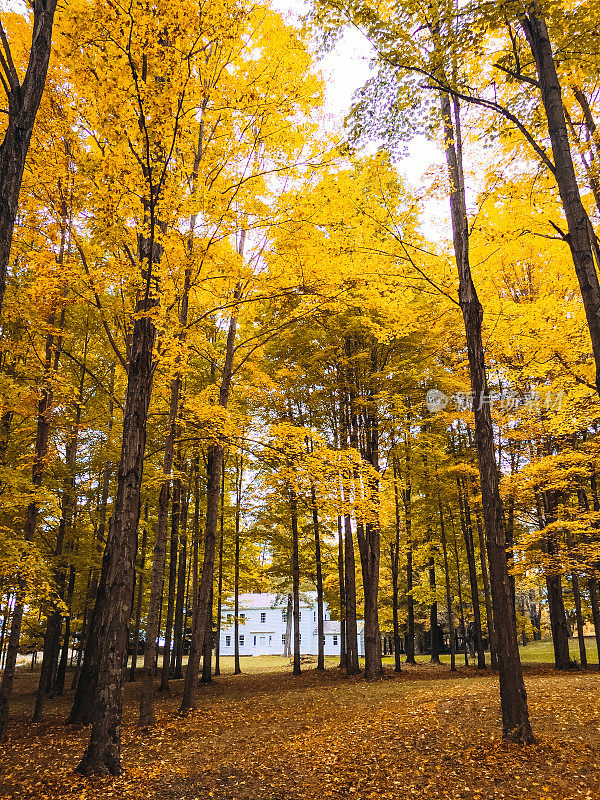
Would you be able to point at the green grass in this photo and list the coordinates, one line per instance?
(533, 653)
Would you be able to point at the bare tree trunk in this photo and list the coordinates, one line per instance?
(113, 601)
(146, 718)
(215, 459)
(208, 646)
(220, 579)
(239, 477)
(179, 623)
(593, 589)
(395, 565)
(486, 590)
(342, 587)
(448, 591)
(513, 698)
(320, 616)
(140, 596)
(467, 528)
(173, 552)
(295, 579)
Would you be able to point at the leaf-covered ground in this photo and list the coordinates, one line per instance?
(275, 737)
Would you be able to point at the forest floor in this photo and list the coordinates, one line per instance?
(272, 736)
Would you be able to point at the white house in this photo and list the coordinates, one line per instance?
(263, 623)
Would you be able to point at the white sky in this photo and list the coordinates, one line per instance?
(345, 70)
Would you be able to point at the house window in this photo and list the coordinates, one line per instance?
(299, 616)
(314, 616)
(228, 641)
(334, 640)
(263, 616)
(242, 618)
(229, 619)
(284, 616)
(241, 641)
(326, 616)
(283, 638)
(255, 641)
(270, 639)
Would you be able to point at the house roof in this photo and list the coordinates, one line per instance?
(269, 600)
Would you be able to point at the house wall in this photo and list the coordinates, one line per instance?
(262, 628)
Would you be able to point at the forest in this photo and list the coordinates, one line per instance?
(244, 350)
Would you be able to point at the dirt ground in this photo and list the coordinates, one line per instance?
(273, 736)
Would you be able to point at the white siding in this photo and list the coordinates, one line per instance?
(263, 626)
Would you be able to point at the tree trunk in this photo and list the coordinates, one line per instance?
(513, 698)
(113, 602)
(146, 718)
(486, 590)
(320, 615)
(140, 597)
(352, 665)
(173, 552)
(395, 566)
(208, 645)
(239, 475)
(433, 623)
(448, 592)
(595, 604)
(220, 579)
(182, 581)
(23, 103)
(580, 636)
(287, 647)
(342, 587)
(467, 528)
(295, 579)
(44, 412)
(215, 459)
(580, 231)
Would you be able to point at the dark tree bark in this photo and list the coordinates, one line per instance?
(180, 602)
(44, 413)
(113, 602)
(140, 596)
(220, 579)
(342, 588)
(513, 698)
(395, 565)
(409, 645)
(239, 476)
(448, 591)
(215, 459)
(295, 578)
(486, 591)
(580, 231)
(467, 528)
(23, 103)
(352, 664)
(547, 506)
(368, 534)
(289, 614)
(595, 604)
(320, 615)
(579, 616)
(173, 553)
(433, 619)
(208, 645)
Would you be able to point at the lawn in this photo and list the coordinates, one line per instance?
(268, 735)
